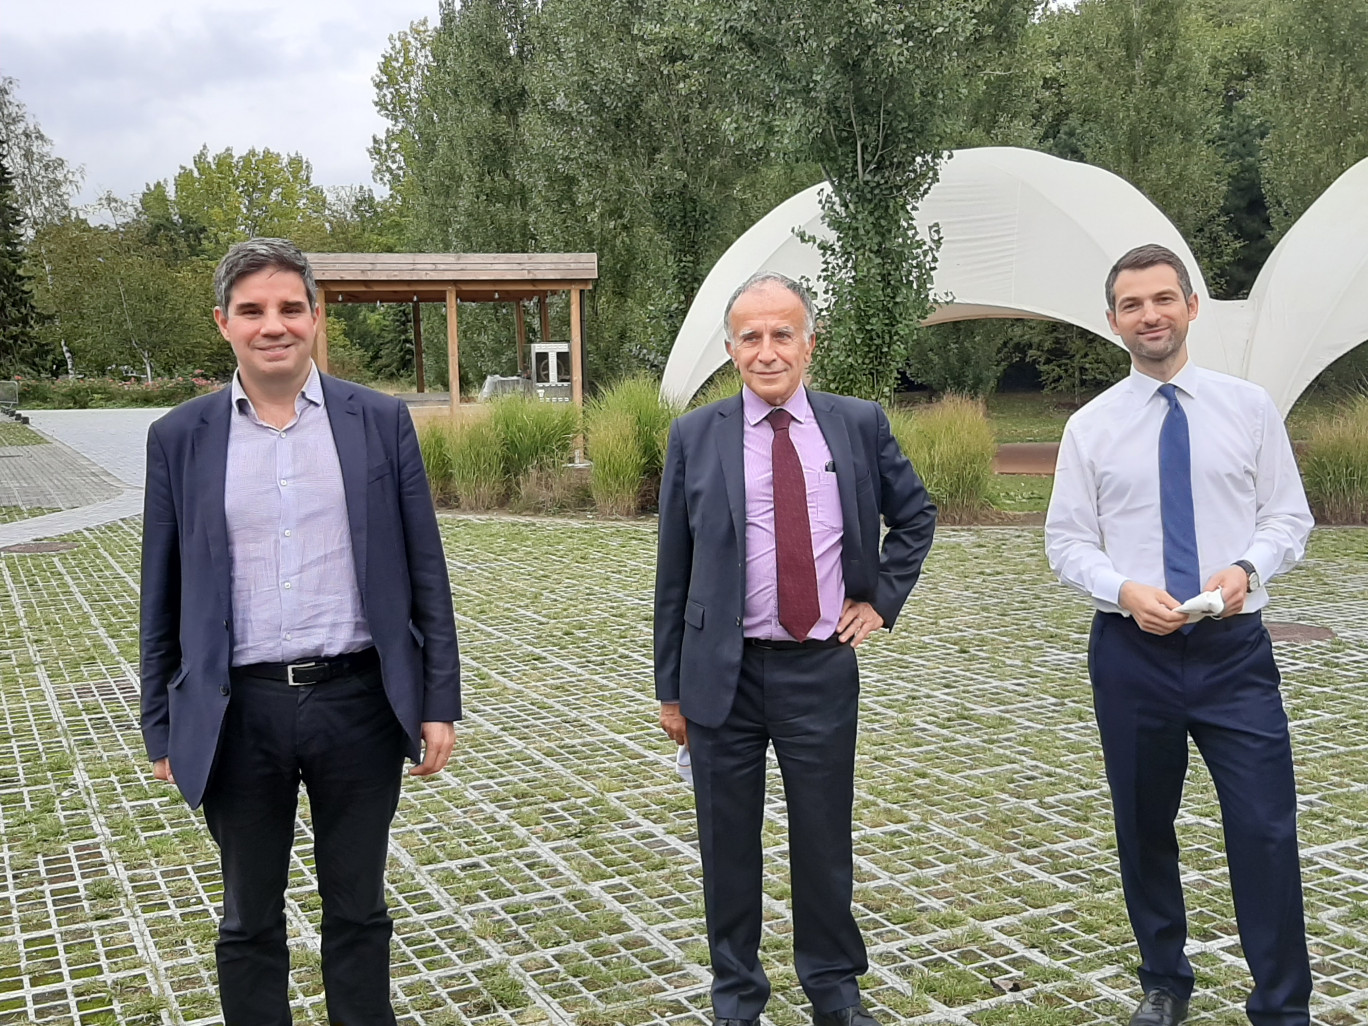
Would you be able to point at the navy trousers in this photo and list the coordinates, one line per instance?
(805, 702)
(342, 740)
(1219, 685)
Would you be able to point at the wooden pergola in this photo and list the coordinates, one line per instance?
(454, 278)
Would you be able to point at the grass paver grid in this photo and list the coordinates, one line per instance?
(550, 876)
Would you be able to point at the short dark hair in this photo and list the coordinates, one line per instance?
(1149, 255)
(244, 258)
(762, 278)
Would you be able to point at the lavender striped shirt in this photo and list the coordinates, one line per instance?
(824, 517)
(289, 539)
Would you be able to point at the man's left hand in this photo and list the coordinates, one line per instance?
(858, 621)
(1234, 585)
(439, 739)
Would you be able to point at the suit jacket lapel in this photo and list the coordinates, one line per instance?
(837, 437)
(348, 424)
(209, 468)
(731, 452)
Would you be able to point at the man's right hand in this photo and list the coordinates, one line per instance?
(673, 723)
(161, 769)
(1153, 609)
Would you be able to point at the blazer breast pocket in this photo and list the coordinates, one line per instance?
(693, 614)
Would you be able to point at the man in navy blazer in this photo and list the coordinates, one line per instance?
(296, 625)
(737, 669)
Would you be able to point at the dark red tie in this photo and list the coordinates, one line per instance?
(799, 607)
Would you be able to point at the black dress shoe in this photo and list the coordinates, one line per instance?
(734, 1022)
(1160, 1008)
(855, 1015)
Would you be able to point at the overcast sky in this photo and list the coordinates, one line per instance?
(131, 89)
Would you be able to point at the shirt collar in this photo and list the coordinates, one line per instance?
(312, 390)
(1144, 387)
(756, 409)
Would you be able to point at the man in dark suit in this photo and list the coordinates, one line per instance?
(296, 625)
(769, 576)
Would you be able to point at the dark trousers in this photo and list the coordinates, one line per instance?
(342, 740)
(1219, 684)
(805, 702)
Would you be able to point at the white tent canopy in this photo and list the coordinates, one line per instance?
(1030, 235)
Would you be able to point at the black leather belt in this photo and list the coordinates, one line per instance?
(314, 671)
(782, 645)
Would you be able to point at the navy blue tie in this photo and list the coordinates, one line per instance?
(1181, 565)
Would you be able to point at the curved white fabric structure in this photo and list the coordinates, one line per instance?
(1030, 235)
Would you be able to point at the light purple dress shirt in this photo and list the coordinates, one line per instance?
(289, 540)
(824, 517)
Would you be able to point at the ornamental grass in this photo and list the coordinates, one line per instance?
(1334, 463)
(951, 444)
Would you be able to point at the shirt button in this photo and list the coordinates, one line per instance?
(283, 482)
(287, 534)
(287, 585)
(289, 637)
(282, 434)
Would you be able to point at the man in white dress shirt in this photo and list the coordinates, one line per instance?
(1174, 481)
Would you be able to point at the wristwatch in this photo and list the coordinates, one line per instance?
(1248, 568)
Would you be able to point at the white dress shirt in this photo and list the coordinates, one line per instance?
(1103, 527)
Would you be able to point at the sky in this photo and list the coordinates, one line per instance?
(131, 89)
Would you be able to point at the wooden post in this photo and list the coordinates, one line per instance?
(418, 343)
(520, 320)
(576, 350)
(453, 352)
(545, 319)
(320, 346)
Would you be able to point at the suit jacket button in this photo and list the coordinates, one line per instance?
(227, 626)
(738, 621)
(223, 689)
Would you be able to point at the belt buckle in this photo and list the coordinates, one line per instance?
(290, 672)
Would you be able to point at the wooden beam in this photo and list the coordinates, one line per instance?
(320, 346)
(520, 321)
(418, 343)
(453, 352)
(576, 350)
(545, 318)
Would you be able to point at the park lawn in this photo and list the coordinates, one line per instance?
(18, 434)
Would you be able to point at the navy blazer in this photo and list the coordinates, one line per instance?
(187, 615)
(700, 595)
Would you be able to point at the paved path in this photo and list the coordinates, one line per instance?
(1026, 458)
(92, 473)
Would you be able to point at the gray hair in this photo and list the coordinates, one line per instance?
(1141, 258)
(762, 278)
(244, 258)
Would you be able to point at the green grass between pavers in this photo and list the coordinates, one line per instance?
(19, 434)
(555, 865)
(13, 514)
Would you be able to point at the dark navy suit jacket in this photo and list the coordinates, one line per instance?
(187, 616)
(700, 595)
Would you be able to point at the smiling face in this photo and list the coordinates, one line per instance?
(1152, 317)
(768, 343)
(271, 326)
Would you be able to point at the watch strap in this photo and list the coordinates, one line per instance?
(1250, 570)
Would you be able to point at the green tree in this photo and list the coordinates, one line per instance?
(1314, 99)
(221, 199)
(1139, 97)
(20, 349)
(874, 93)
(43, 183)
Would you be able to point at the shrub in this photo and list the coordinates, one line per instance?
(619, 460)
(464, 461)
(724, 382)
(951, 444)
(533, 435)
(1334, 463)
(98, 393)
(478, 476)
